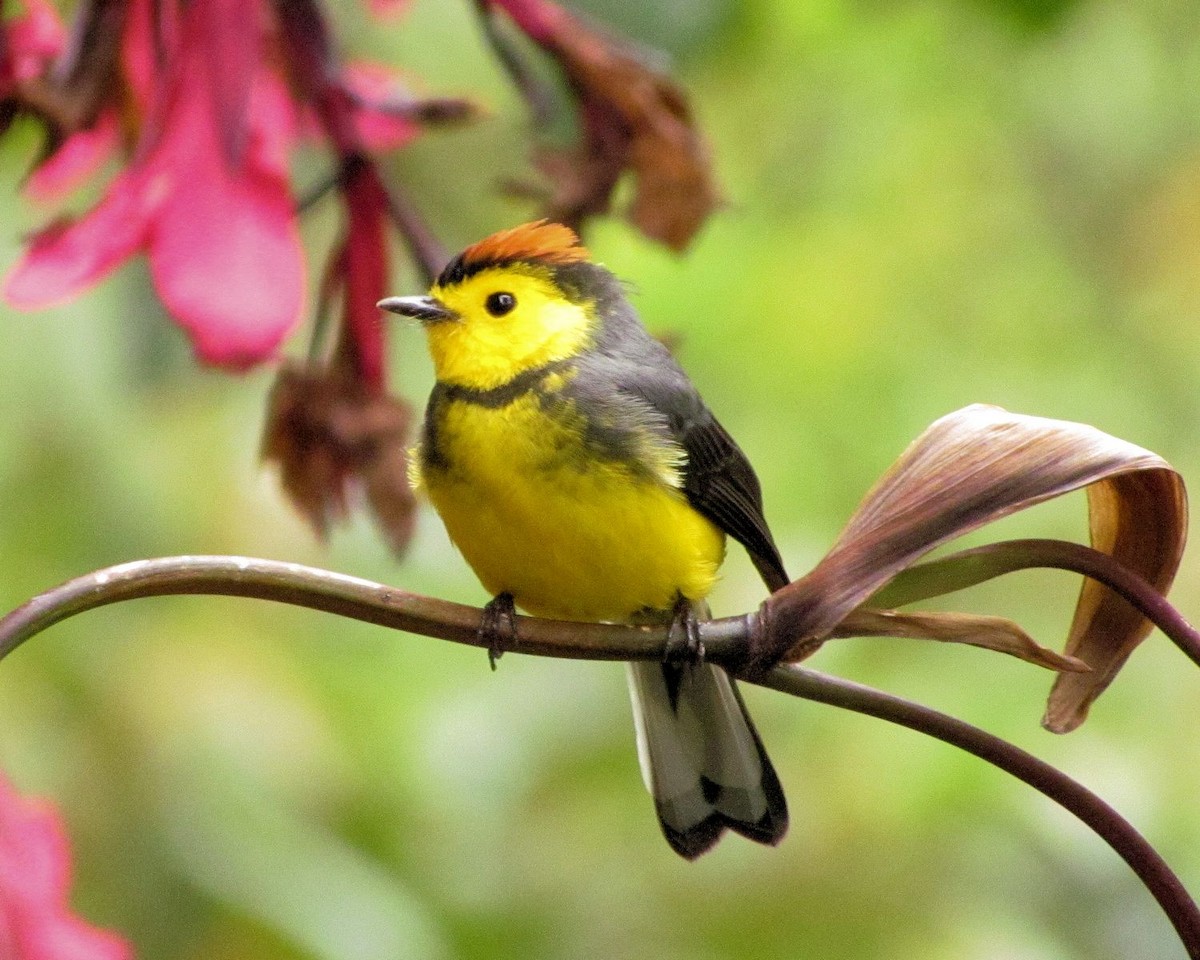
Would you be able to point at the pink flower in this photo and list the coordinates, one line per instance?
(219, 228)
(80, 155)
(373, 89)
(29, 43)
(35, 867)
(388, 8)
(210, 96)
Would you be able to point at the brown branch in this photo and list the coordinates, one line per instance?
(1117, 832)
(727, 641)
(334, 593)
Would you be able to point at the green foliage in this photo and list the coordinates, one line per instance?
(926, 208)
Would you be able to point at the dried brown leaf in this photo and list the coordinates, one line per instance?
(977, 465)
(989, 633)
(633, 117)
(326, 432)
(1140, 519)
(385, 479)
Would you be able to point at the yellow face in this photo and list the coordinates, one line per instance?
(509, 319)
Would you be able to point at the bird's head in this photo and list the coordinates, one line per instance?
(512, 302)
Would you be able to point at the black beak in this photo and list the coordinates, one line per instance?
(425, 309)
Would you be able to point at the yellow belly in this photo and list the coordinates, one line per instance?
(570, 536)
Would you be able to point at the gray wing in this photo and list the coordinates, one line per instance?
(718, 479)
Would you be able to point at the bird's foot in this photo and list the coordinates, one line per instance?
(498, 626)
(683, 638)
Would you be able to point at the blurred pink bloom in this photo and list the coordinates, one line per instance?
(29, 43)
(80, 155)
(208, 97)
(219, 230)
(373, 88)
(35, 868)
(388, 8)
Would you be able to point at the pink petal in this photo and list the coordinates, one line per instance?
(139, 55)
(388, 8)
(227, 38)
(35, 865)
(273, 125)
(69, 256)
(80, 155)
(59, 936)
(366, 272)
(34, 39)
(227, 262)
(34, 860)
(376, 129)
(225, 250)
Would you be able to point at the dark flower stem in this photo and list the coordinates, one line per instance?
(536, 92)
(426, 250)
(1117, 832)
(726, 640)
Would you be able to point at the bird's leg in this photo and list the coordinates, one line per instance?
(683, 638)
(498, 626)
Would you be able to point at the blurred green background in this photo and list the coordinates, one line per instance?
(930, 203)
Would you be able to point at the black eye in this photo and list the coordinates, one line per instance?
(498, 304)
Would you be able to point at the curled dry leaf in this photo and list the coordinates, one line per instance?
(977, 465)
(1140, 519)
(989, 633)
(326, 431)
(632, 117)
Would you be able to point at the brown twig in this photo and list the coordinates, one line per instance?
(1117, 832)
(324, 590)
(724, 640)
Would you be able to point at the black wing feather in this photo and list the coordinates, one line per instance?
(721, 484)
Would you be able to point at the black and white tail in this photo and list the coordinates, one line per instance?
(701, 757)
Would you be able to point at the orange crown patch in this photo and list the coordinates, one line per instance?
(539, 240)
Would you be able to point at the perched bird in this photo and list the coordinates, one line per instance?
(582, 477)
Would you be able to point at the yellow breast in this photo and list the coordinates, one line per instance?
(569, 534)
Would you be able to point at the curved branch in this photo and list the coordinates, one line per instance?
(726, 641)
(346, 596)
(1117, 832)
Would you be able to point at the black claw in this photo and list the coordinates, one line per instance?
(498, 626)
(683, 638)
